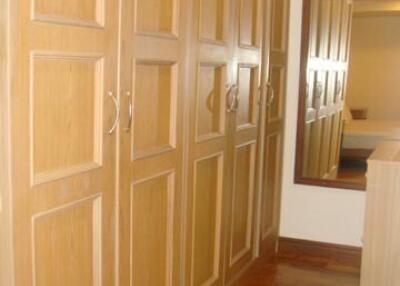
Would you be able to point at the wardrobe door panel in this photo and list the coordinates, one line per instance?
(207, 220)
(212, 26)
(273, 129)
(154, 103)
(211, 101)
(248, 80)
(242, 204)
(325, 146)
(153, 56)
(156, 16)
(209, 87)
(248, 31)
(278, 77)
(76, 225)
(64, 83)
(347, 15)
(314, 26)
(243, 133)
(89, 11)
(324, 21)
(271, 191)
(74, 115)
(336, 17)
(152, 230)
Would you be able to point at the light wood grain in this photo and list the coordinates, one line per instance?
(170, 198)
(152, 230)
(77, 12)
(6, 248)
(153, 80)
(75, 225)
(380, 264)
(272, 127)
(156, 16)
(247, 29)
(61, 115)
(207, 138)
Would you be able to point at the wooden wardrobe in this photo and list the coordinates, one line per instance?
(327, 35)
(141, 140)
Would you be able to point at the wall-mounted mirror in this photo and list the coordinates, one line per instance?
(349, 88)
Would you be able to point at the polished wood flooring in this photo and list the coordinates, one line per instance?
(298, 271)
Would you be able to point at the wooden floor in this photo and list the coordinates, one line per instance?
(298, 271)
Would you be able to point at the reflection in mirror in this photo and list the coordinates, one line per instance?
(350, 71)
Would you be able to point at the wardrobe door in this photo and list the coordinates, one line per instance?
(243, 128)
(151, 149)
(336, 88)
(274, 126)
(314, 89)
(210, 93)
(63, 159)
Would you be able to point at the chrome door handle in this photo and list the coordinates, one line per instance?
(229, 98)
(236, 99)
(271, 97)
(130, 112)
(338, 87)
(117, 112)
(320, 89)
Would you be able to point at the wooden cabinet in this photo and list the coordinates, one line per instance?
(380, 261)
(136, 135)
(328, 40)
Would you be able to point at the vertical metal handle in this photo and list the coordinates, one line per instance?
(236, 101)
(271, 96)
(229, 98)
(130, 112)
(318, 96)
(117, 112)
(233, 98)
(320, 89)
(338, 87)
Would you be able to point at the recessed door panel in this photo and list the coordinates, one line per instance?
(242, 202)
(345, 30)
(207, 220)
(271, 184)
(324, 22)
(248, 22)
(279, 31)
(66, 114)
(152, 230)
(210, 101)
(78, 12)
(76, 227)
(248, 91)
(212, 16)
(154, 101)
(156, 16)
(278, 84)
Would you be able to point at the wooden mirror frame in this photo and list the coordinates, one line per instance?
(299, 178)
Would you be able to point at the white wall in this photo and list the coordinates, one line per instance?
(313, 213)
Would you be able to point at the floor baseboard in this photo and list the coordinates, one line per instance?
(332, 256)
